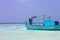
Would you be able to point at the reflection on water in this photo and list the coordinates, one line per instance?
(19, 32)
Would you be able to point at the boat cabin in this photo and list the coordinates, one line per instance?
(46, 21)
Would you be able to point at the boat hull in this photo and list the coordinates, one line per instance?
(43, 27)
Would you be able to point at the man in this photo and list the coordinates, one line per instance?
(30, 21)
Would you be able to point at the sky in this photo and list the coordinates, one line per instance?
(18, 11)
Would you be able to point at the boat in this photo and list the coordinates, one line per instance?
(47, 23)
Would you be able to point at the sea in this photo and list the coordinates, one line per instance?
(20, 32)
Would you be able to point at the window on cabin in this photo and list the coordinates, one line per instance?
(37, 21)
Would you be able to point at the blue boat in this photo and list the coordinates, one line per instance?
(47, 23)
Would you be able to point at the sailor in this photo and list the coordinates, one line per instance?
(30, 21)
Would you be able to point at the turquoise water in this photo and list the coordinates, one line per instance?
(19, 32)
